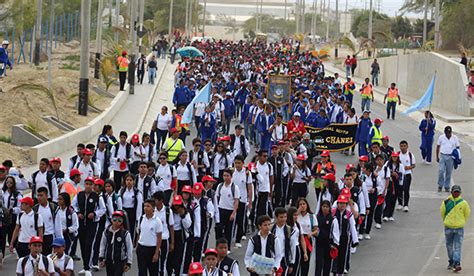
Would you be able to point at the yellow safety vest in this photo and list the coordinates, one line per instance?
(347, 88)
(173, 148)
(377, 135)
(367, 91)
(392, 95)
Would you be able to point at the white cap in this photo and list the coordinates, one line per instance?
(307, 91)
(5, 42)
(228, 94)
(297, 114)
(192, 79)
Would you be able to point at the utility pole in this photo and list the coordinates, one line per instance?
(425, 21)
(51, 30)
(336, 36)
(170, 22)
(141, 14)
(84, 70)
(437, 21)
(327, 20)
(257, 30)
(38, 31)
(297, 15)
(133, 51)
(286, 3)
(117, 15)
(98, 40)
(204, 19)
(345, 17)
(369, 33)
(303, 4)
(186, 20)
(313, 24)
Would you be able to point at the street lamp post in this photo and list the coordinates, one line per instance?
(369, 33)
(117, 15)
(170, 22)
(50, 40)
(204, 19)
(425, 21)
(98, 40)
(141, 15)
(133, 51)
(437, 21)
(84, 59)
(38, 31)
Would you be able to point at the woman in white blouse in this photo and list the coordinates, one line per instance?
(301, 175)
(162, 124)
(300, 252)
(165, 177)
(222, 160)
(11, 202)
(185, 172)
(66, 222)
(132, 201)
(147, 149)
(136, 155)
(309, 229)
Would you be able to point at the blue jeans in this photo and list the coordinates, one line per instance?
(375, 79)
(454, 238)
(391, 107)
(446, 165)
(365, 104)
(151, 75)
(348, 70)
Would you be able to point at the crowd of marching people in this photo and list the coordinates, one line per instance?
(163, 193)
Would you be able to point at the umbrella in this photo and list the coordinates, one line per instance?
(189, 51)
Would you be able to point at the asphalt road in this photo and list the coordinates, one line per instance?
(411, 245)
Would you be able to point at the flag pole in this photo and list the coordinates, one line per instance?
(431, 102)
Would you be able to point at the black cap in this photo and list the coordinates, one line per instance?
(448, 129)
(238, 127)
(455, 188)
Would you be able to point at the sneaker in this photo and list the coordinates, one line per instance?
(361, 237)
(75, 258)
(399, 207)
(385, 219)
(82, 271)
(440, 189)
(450, 267)
(88, 273)
(95, 268)
(353, 250)
(427, 163)
(457, 268)
(228, 252)
(346, 271)
(446, 190)
(367, 237)
(378, 226)
(391, 219)
(244, 238)
(238, 245)
(405, 209)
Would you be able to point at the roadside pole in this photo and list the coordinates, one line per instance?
(133, 51)
(98, 40)
(38, 31)
(84, 70)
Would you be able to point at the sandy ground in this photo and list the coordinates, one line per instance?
(28, 106)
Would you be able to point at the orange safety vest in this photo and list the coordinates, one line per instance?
(347, 88)
(179, 125)
(123, 64)
(70, 189)
(392, 95)
(367, 91)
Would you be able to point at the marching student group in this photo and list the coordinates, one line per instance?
(155, 200)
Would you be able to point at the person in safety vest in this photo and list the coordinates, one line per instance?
(392, 97)
(375, 133)
(349, 87)
(173, 145)
(122, 64)
(367, 94)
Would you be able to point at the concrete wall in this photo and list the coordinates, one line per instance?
(414, 75)
(86, 133)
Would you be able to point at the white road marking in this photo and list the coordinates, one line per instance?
(429, 194)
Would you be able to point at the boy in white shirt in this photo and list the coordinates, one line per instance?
(408, 161)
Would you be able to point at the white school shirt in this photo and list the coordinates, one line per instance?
(9, 202)
(263, 242)
(300, 173)
(242, 180)
(382, 175)
(182, 172)
(29, 268)
(60, 223)
(220, 162)
(264, 170)
(27, 226)
(280, 234)
(151, 189)
(165, 175)
(199, 109)
(146, 150)
(42, 181)
(60, 263)
(48, 219)
(121, 154)
(226, 200)
(86, 170)
(406, 161)
(197, 214)
(149, 228)
(99, 158)
(446, 146)
(128, 201)
(278, 132)
(136, 150)
(161, 215)
(305, 223)
(163, 121)
(238, 146)
(205, 158)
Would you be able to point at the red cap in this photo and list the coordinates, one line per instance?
(274, 147)
(342, 199)
(281, 142)
(210, 251)
(177, 200)
(198, 188)
(301, 157)
(86, 152)
(173, 130)
(395, 154)
(186, 189)
(99, 181)
(349, 166)
(364, 158)
(118, 214)
(251, 165)
(378, 121)
(195, 268)
(55, 159)
(226, 138)
(90, 178)
(124, 53)
(36, 239)
(74, 172)
(208, 178)
(325, 153)
(385, 138)
(346, 192)
(28, 200)
(219, 139)
(329, 176)
(3, 168)
(135, 138)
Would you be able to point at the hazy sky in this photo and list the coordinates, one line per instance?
(389, 7)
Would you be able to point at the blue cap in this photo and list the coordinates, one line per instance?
(59, 242)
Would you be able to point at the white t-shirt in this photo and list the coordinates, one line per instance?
(60, 263)
(264, 170)
(242, 180)
(447, 145)
(165, 177)
(149, 228)
(300, 174)
(161, 215)
(224, 197)
(199, 109)
(29, 268)
(305, 223)
(48, 220)
(27, 226)
(407, 161)
(162, 121)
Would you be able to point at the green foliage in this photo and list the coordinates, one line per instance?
(108, 72)
(70, 66)
(360, 26)
(418, 27)
(6, 139)
(159, 11)
(72, 58)
(456, 27)
(41, 88)
(401, 27)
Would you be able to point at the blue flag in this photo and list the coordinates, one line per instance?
(203, 96)
(424, 101)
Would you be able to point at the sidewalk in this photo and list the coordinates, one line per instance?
(132, 111)
(463, 129)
